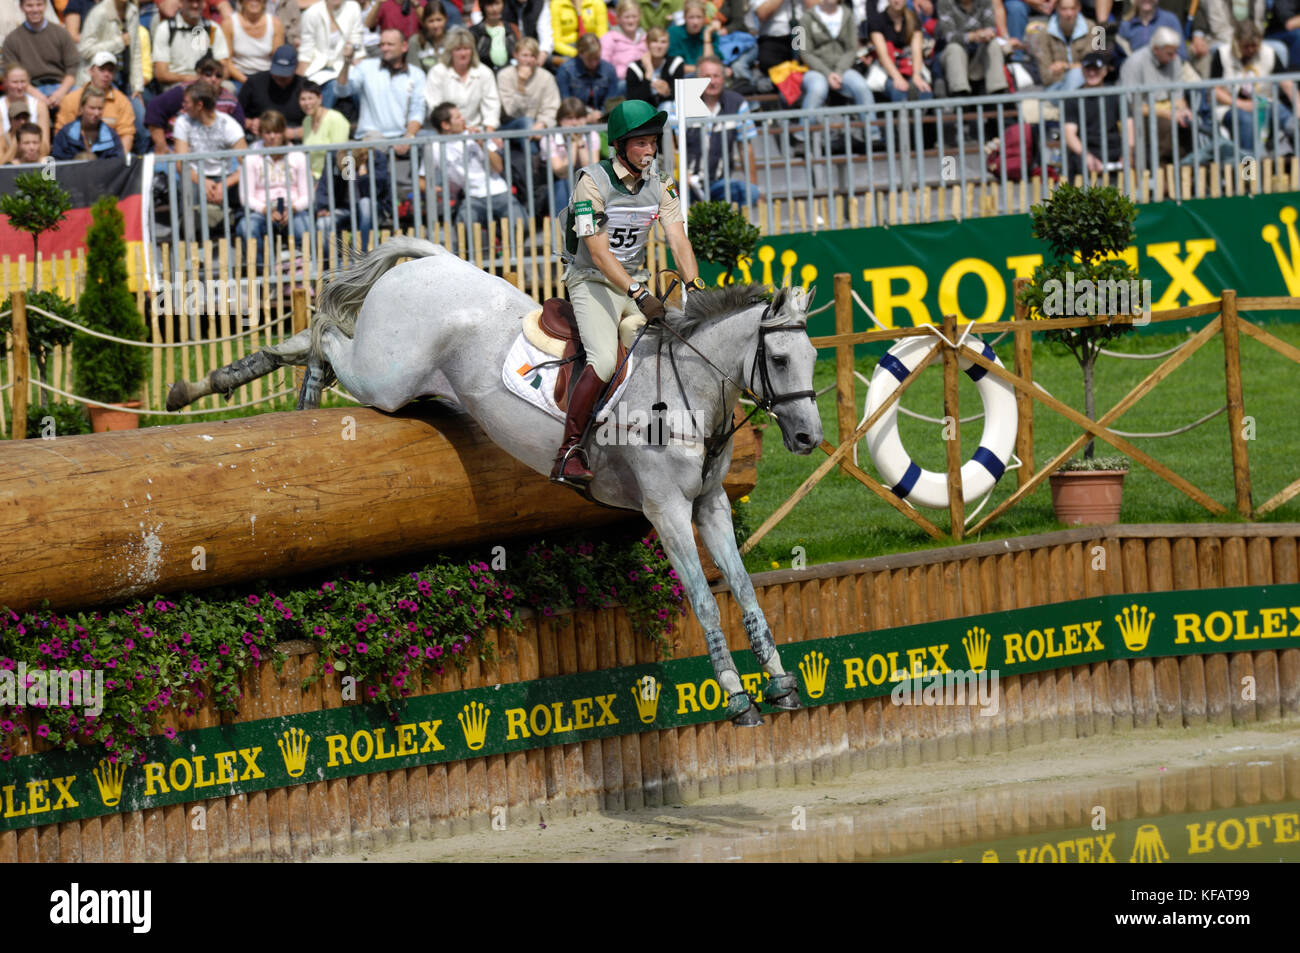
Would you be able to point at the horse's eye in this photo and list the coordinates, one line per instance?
(780, 362)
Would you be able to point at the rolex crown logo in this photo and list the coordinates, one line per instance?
(293, 748)
(1135, 626)
(789, 258)
(473, 720)
(976, 642)
(813, 668)
(108, 777)
(1148, 847)
(646, 693)
(1289, 265)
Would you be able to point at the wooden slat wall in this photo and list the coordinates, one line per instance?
(684, 764)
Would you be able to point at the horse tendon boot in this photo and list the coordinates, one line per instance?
(224, 380)
(741, 709)
(569, 461)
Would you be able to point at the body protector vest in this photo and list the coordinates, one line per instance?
(627, 219)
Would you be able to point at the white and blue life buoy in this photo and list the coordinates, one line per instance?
(897, 470)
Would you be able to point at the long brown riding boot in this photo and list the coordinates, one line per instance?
(570, 463)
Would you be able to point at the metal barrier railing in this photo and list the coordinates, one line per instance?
(792, 170)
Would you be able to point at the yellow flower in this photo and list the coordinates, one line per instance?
(744, 499)
(775, 564)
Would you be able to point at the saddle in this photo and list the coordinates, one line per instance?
(554, 330)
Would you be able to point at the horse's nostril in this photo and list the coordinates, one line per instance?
(804, 439)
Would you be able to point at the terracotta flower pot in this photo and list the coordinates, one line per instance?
(1085, 497)
(102, 419)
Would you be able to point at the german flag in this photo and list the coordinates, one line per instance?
(85, 181)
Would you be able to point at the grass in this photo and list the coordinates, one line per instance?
(841, 519)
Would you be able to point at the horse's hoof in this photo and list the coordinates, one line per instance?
(178, 396)
(783, 692)
(743, 712)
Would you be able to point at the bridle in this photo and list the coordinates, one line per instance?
(714, 443)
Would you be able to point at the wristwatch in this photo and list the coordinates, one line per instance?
(697, 283)
(634, 290)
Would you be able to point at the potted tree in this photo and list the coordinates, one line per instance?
(722, 236)
(36, 206)
(106, 371)
(1085, 229)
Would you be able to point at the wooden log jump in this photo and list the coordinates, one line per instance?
(90, 519)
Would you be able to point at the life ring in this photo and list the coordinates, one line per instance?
(896, 468)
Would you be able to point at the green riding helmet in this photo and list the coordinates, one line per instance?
(635, 117)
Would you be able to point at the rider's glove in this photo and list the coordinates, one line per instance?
(650, 306)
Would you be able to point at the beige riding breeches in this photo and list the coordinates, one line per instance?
(604, 313)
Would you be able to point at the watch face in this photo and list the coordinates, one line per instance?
(634, 288)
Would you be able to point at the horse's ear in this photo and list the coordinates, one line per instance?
(808, 302)
(778, 300)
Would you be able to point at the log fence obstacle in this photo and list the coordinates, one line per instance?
(949, 347)
(1214, 605)
(104, 517)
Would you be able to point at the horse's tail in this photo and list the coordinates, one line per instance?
(341, 297)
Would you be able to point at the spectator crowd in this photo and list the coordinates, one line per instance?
(91, 79)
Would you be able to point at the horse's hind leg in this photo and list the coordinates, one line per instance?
(224, 380)
(313, 383)
(713, 519)
(673, 522)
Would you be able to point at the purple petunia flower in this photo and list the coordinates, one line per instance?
(362, 648)
(170, 732)
(253, 600)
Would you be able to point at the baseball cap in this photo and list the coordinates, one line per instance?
(1095, 60)
(104, 58)
(284, 61)
(19, 108)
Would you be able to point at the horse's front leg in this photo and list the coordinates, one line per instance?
(713, 519)
(672, 520)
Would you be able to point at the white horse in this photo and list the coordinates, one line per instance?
(437, 325)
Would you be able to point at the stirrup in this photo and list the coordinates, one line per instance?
(557, 472)
(782, 692)
(742, 711)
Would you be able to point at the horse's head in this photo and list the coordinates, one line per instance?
(782, 372)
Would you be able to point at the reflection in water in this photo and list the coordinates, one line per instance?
(1244, 811)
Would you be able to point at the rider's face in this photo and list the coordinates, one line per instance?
(641, 149)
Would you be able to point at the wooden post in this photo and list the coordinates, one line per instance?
(22, 365)
(846, 400)
(300, 323)
(1232, 375)
(952, 415)
(1024, 403)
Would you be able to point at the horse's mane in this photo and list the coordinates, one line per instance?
(703, 306)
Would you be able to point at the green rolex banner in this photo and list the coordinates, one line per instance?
(914, 274)
(958, 661)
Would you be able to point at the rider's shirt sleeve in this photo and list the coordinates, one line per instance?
(585, 190)
(670, 204)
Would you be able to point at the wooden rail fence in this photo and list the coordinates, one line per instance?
(1227, 319)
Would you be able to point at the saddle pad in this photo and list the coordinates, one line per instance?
(526, 380)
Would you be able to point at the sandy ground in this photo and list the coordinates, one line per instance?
(711, 828)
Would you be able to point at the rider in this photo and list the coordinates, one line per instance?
(615, 203)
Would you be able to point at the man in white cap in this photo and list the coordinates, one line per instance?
(118, 114)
